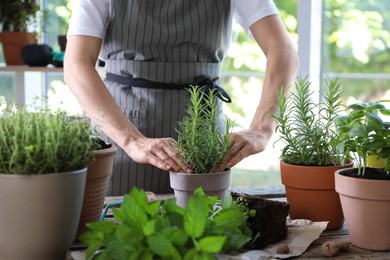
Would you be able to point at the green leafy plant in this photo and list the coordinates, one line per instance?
(167, 231)
(362, 133)
(307, 128)
(36, 140)
(201, 143)
(16, 15)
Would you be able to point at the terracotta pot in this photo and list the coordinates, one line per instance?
(39, 214)
(366, 207)
(310, 191)
(213, 184)
(98, 176)
(12, 44)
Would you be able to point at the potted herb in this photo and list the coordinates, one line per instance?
(16, 16)
(202, 144)
(309, 158)
(158, 230)
(363, 190)
(43, 159)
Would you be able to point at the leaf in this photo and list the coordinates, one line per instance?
(92, 248)
(193, 254)
(133, 208)
(212, 244)
(357, 106)
(385, 111)
(236, 241)
(195, 216)
(160, 244)
(342, 120)
(227, 201)
(178, 237)
(149, 227)
(228, 219)
(359, 131)
(153, 208)
(376, 105)
(374, 120)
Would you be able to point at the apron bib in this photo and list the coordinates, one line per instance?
(167, 41)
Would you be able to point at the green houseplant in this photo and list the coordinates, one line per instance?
(202, 144)
(158, 230)
(364, 190)
(16, 16)
(43, 159)
(309, 158)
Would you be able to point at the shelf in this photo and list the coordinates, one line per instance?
(25, 68)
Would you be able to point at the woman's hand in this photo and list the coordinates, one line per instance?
(159, 152)
(244, 144)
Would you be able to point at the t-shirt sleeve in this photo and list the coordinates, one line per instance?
(90, 18)
(247, 12)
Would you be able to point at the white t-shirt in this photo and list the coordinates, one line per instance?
(91, 17)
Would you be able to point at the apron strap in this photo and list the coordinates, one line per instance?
(206, 84)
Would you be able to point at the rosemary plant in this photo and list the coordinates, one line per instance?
(201, 142)
(36, 140)
(307, 128)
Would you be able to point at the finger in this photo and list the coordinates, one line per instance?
(159, 163)
(175, 156)
(235, 155)
(238, 157)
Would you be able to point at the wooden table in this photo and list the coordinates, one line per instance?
(314, 251)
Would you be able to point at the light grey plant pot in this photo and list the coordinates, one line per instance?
(39, 214)
(213, 184)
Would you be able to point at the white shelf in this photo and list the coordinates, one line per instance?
(30, 82)
(25, 68)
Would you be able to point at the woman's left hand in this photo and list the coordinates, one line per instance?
(243, 144)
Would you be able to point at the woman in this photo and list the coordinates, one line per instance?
(152, 50)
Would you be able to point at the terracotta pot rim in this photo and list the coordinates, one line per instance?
(361, 188)
(346, 165)
(358, 179)
(43, 175)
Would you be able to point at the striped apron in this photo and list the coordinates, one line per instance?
(167, 41)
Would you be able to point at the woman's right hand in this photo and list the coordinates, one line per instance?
(159, 152)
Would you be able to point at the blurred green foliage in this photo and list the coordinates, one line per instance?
(356, 40)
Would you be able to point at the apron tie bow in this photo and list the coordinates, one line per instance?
(207, 85)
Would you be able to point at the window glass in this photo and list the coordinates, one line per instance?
(243, 74)
(356, 47)
(59, 12)
(7, 90)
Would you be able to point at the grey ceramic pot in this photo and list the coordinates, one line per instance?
(213, 184)
(39, 214)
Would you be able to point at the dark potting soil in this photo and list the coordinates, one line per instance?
(370, 174)
(269, 221)
(102, 144)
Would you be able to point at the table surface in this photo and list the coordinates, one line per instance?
(314, 251)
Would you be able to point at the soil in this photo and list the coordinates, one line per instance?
(370, 174)
(269, 221)
(102, 144)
